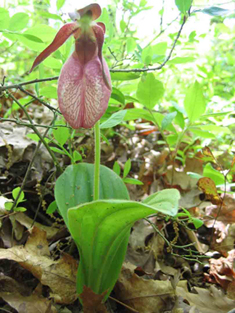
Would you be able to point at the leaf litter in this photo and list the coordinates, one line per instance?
(166, 269)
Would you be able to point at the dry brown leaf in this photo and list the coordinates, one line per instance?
(145, 296)
(92, 302)
(226, 213)
(206, 151)
(145, 246)
(208, 186)
(59, 275)
(221, 270)
(27, 222)
(209, 300)
(180, 176)
(31, 304)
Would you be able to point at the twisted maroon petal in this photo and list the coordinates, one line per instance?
(63, 34)
(94, 10)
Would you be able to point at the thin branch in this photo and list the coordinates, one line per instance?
(28, 169)
(2, 88)
(161, 21)
(38, 99)
(134, 70)
(22, 123)
(147, 69)
(37, 132)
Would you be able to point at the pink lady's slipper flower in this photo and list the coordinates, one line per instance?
(84, 85)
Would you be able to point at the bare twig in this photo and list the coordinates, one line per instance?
(147, 69)
(37, 132)
(28, 169)
(22, 123)
(134, 70)
(2, 88)
(38, 99)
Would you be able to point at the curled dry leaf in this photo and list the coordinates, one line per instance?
(92, 302)
(221, 270)
(180, 176)
(27, 222)
(59, 275)
(209, 300)
(145, 296)
(29, 304)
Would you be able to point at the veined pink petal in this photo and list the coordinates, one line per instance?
(63, 34)
(82, 93)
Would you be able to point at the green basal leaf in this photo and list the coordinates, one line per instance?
(101, 231)
(114, 120)
(194, 103)
(165, 201)
(75, 186)
(150, 90)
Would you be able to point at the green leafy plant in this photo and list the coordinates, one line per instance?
(92, 199)
(9, 205)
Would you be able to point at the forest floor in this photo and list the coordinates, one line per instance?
(181, 265)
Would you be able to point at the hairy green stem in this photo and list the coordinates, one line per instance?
(97, 162)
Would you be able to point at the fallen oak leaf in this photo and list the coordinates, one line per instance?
(29, 304)
(92, 302)
(59, 275)
(209, 300)
(143, 295)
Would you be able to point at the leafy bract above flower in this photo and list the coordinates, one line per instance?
(84, 85)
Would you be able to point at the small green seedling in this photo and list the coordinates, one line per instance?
(127, 168)
(9, 204)
(196, 221)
